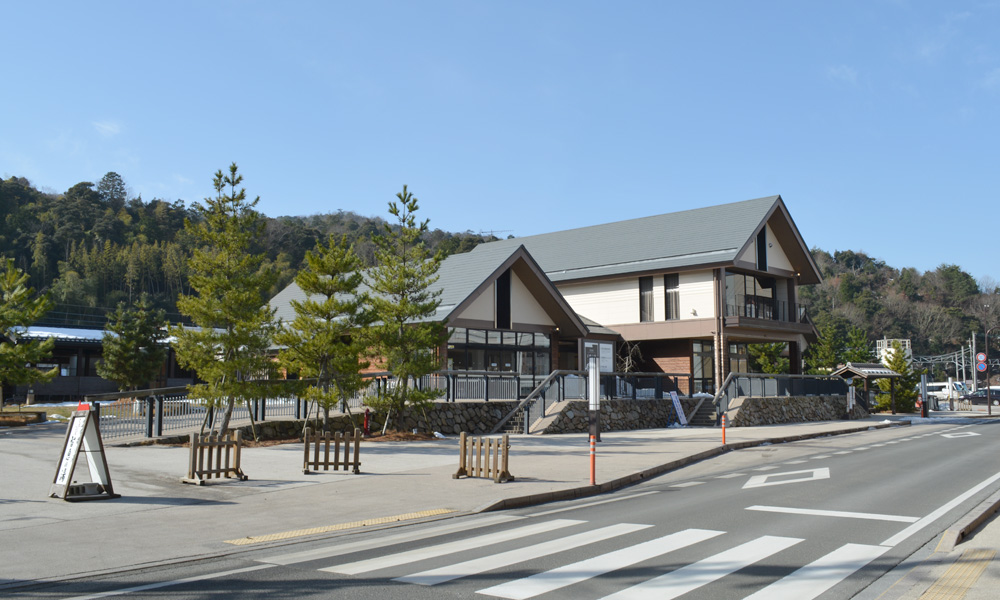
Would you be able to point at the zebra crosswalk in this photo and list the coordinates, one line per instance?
(444, 559)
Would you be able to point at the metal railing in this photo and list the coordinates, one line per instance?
(768, 309)
(572, 385)
(763, 385)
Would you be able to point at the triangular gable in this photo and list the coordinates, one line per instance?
(789, 252)
(534, 299)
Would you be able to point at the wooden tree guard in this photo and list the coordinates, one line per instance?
(322, 439)
(226, 461)
(484, 457)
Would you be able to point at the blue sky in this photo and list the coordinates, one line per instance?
(876, 121)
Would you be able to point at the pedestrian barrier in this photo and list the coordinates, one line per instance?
(319, 439)
(484, 457)
(226, 453)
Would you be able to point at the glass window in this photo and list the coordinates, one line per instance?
(477, 359)
(457, 335)
(645, 299)
(672, 296)
(477, 336)
(525, 339)
(509, 338)
(493, 337)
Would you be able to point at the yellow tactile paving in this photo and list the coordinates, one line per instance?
(961, 576)
(257, 539)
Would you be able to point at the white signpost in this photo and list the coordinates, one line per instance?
(83, 434)
(678, 408)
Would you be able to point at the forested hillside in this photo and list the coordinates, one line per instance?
(94, 246)
(937, 310)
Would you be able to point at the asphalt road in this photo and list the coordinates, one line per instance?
(823, 518)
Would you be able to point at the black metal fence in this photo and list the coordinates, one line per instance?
(760, 385)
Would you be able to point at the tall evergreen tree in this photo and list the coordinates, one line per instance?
(133, 346)
(407, 336)
(857, 348)
(824, 355)
(905, 386)
(20, 308)
(234, 325)
(767, 358)
(324, 341)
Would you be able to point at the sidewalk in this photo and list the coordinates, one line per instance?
(158, 519)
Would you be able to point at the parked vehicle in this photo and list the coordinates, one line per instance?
(979, 397)
(944, 391)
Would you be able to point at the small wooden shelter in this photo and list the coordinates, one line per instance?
(870, 372)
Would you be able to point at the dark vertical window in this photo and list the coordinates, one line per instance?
(645, 299)
(762, 250)
(672, 296)
(503, 300)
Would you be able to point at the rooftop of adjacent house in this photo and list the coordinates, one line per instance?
(64, 334)
(714, 235)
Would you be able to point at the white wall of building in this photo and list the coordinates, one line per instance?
(617, 301)
(607, 302)
(482, 308)
(523, 306)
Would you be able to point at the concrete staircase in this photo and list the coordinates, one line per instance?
(705, 417)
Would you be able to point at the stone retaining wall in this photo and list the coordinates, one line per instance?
(619, 415)
(751, 412)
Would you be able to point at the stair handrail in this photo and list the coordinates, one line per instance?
(545, 383)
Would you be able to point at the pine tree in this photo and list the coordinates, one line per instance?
(824, 355)
(905, 386)
(324, 341)
(857, 348)
(407, 336)
(766, 358)
(20, 308)
(234, 325)
(133, 346)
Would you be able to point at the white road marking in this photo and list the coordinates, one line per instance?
(162, 584)
(924, 522)
(687, 484)
(834, 513)
(526, 553)
(695, 575)
(409, 536)
(762, 480)
(820, 575)
(542, 583)
(820, 457)
(796, 462)
(768, 468)
(960, 435)
(729, 475)
(844, 452)
(863, 448)
(411, 556)
(589, 504)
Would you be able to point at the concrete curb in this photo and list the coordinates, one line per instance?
(621, 482)
(954, 535)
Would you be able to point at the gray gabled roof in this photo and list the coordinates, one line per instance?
(714, 235)
(459, 278)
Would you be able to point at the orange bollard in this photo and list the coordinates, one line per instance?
(723, 429)
(593, 461)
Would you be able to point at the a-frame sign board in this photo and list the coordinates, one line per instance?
(83, 435)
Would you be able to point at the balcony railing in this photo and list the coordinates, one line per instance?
(768, 309)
